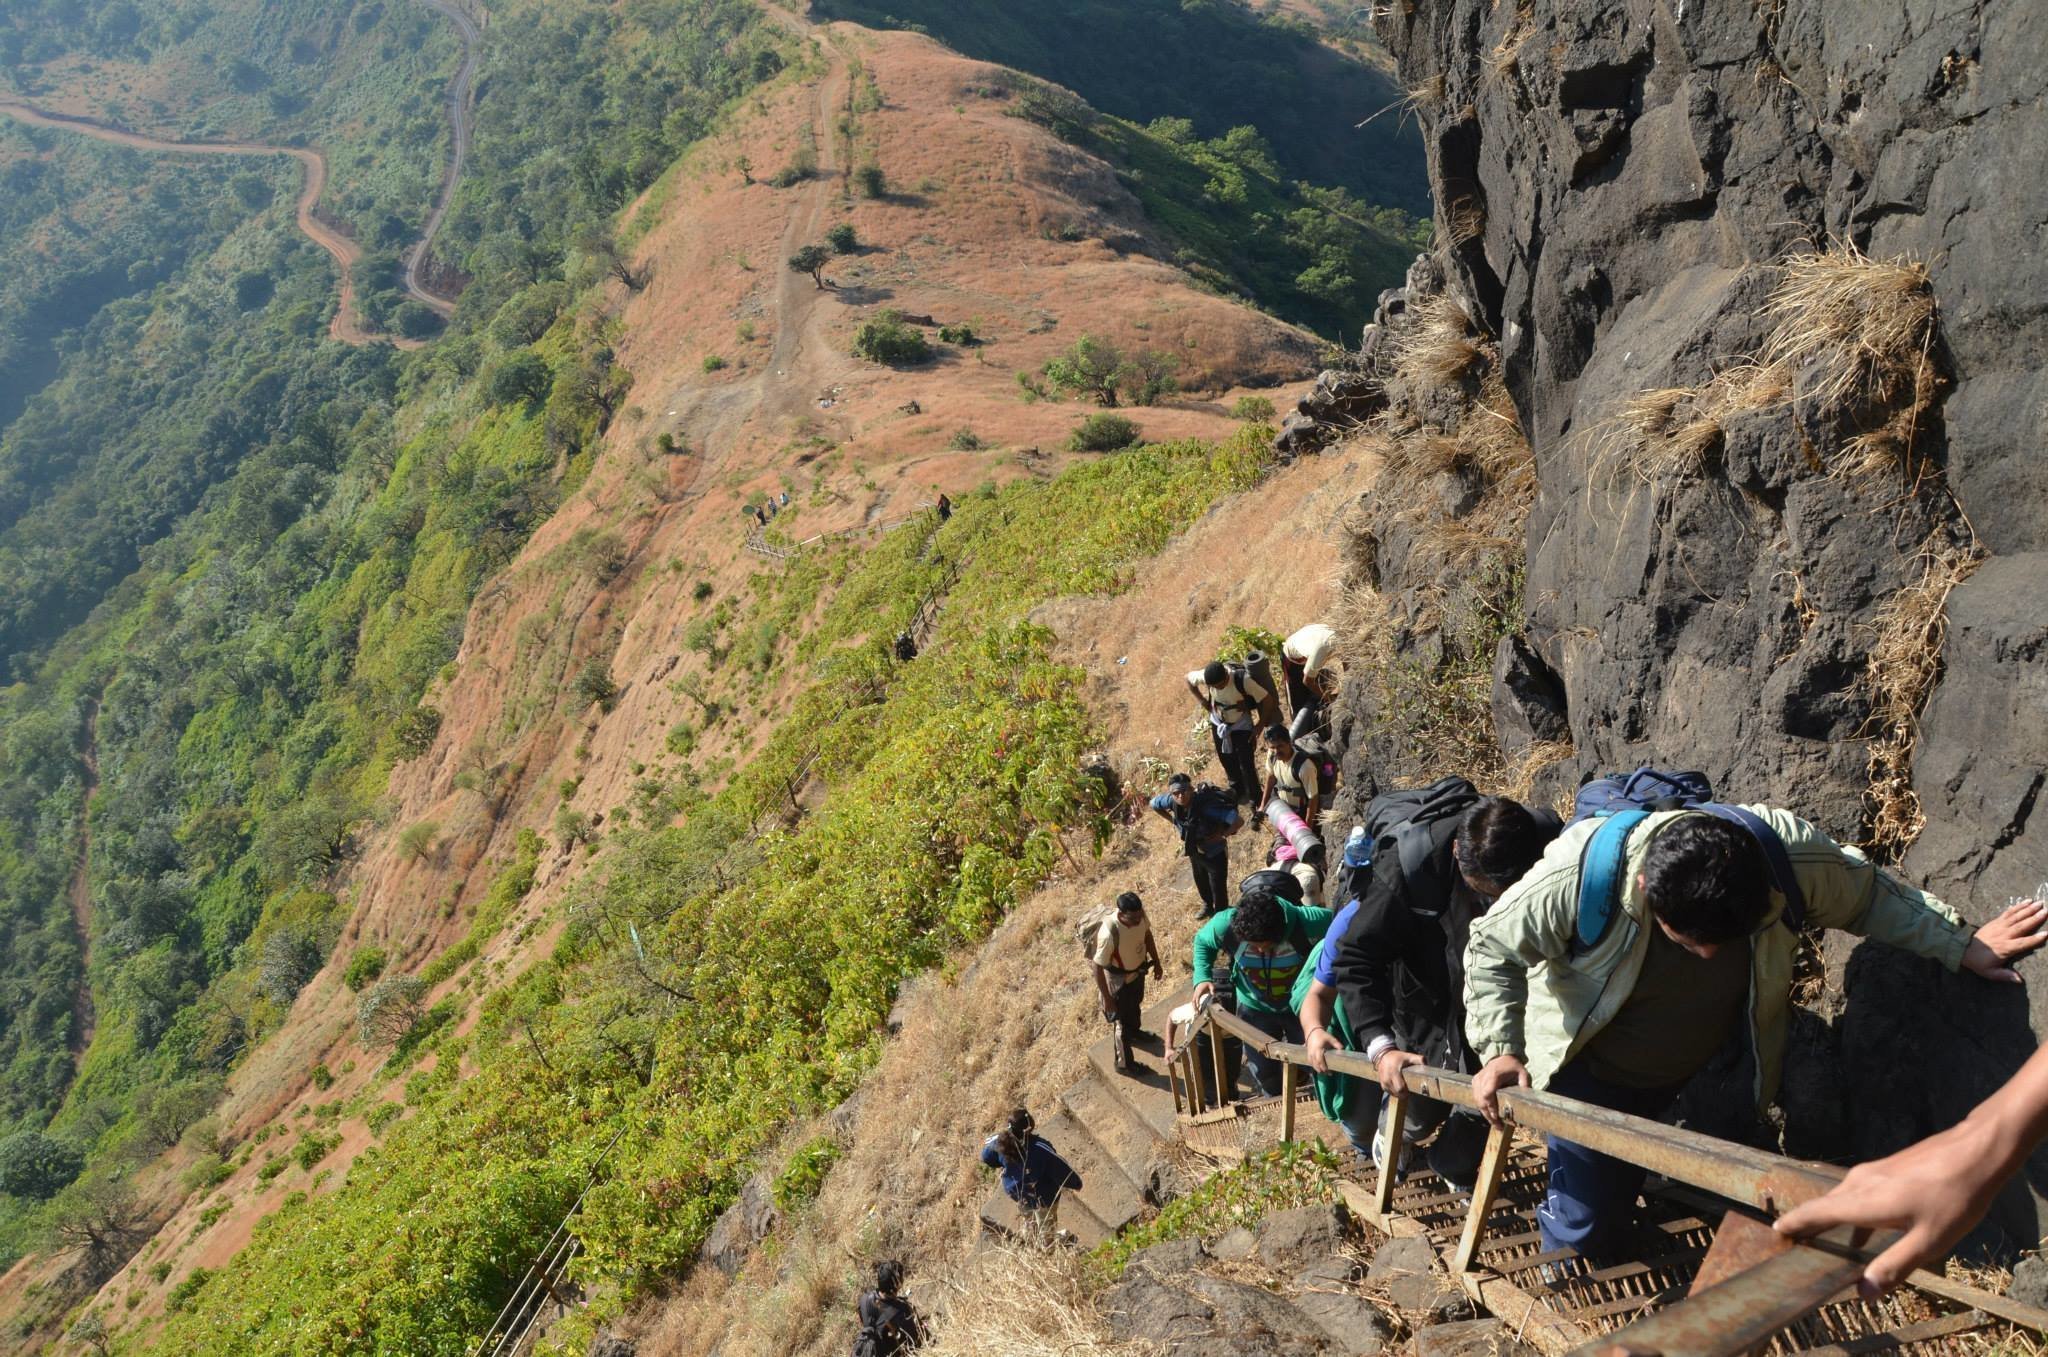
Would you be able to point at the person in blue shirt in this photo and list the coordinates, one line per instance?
(1034, 1175)
(1205, 818)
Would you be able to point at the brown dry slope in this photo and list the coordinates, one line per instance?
(972, 235)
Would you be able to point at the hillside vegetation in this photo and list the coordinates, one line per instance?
(307, 524)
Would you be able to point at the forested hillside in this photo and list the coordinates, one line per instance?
(295, 528)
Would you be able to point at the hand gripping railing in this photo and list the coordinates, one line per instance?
(1724, 1316)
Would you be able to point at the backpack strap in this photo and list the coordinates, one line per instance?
(1602, 864)
(1774, 853)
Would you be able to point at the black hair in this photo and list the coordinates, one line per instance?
(1278, 735)
(1129, 903)
(889, 1277)
(1258, 917)
(1215, 674)
(1706, 879)
(1178, 781)
(1499, 840)
(1021, 1123)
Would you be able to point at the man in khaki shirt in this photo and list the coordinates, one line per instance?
(1292, 775)
(1231, 697)
(1124, 949)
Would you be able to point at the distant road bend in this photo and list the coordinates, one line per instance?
(346, 327)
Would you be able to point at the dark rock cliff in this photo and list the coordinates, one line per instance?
(1617, 182)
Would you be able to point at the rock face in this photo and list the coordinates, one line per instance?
(1618, 180)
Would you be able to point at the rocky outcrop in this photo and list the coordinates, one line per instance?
(1616, 182)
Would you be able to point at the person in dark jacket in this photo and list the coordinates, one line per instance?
(1034, 1175)
(888, 1322)
(1399, 968)
(1205, 817)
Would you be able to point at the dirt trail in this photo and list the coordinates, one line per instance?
(83, 1017)
(461, 125)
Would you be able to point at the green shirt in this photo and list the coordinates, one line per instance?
(1683, 1009)
(1264, 983)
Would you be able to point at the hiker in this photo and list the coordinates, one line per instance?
(1303, 660)
(1292, 776)
(1936, 1190)
(1645, 939)
(888, 1322)
(1268, 939)
(1125, 949)
(1034, 1175)
(945, 508)
(1231, 697)
(1205, 817)
(1391, 980)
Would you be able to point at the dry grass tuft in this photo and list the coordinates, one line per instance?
(1465, 221)
(1436, 345)
(1506, 57)
(1850, 329)
(1024, 1302)
(1904, 661)
(1519, 781)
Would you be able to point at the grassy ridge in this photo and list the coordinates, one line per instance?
(950, 778)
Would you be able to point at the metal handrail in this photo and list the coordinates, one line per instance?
(1767, 1182)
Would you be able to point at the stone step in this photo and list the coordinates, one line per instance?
(1143, 1089)
(1108, 1195)
(1129, 1140)
(1000, 1218)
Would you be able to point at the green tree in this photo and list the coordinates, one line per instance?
(1093, 367)
(291, 957)
(873, 183)
(416, 843)
(391, 1009)
(521, 377)
(890, 339)
(843, 238)
(811, 259)
(37, 1166)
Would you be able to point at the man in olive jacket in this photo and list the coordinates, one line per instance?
(1697, 951)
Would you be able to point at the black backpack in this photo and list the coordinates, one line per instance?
(1405, 828)
(896, 1328)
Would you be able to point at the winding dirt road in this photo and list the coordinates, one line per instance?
(347, 326)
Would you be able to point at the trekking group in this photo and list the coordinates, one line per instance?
(1611, 958)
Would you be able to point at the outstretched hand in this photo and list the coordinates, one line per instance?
(2020, 929)
(1934, 1191)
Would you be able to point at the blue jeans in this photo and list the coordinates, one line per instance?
(1286, 1027)
(1590, 1206)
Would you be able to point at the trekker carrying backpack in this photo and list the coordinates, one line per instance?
(1231, 697)
(1391, 977)
(1293, 775)
(889, 1324)
(1206, 817)
(1646, 938)
(1124, 949)
(1268, 939)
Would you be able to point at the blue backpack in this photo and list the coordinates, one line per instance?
(1623, 801)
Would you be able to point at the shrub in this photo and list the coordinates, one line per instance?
(963, 335)
(416, 730)
(522, 377)
(322, 1077)
(1103, 433)
(713, 363)
(594, 683)
(271, 1168)
(416, 844)
(312, 1148)
(682, 738)
(208, 1170)
(843, 238)
(888, 339)
(390, 1010)
(966, 440)
(573, 827)
(36, 1166)
(1253, 410)
(364, 966)
(873, 183)
(381, 1116)
(181, 1295)
(291, 957)
(804, 1175)
(702, 590)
